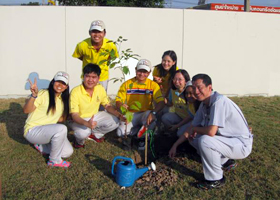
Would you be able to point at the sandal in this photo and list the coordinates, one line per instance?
(63, 163)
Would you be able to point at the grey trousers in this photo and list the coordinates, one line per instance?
(53, 140)
(105, 123)
(139, 119)
(169, 119)
(215, 151)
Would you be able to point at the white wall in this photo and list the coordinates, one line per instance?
(240, 51)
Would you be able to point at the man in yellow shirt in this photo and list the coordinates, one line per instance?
(91, 49)
(85, 100)
(146, 92)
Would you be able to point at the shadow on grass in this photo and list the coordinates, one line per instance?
(102, 165)
(14, 118)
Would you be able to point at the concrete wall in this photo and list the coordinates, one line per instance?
(240, 51)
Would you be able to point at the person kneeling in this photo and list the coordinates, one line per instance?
(219, 132)
(45, 109)
(85, 100)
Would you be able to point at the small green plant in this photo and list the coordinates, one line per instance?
(115, 62)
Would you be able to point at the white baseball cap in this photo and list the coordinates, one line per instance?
(144, 64)
(62, 76)
(97, 25)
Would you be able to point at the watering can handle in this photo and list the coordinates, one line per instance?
(123, 158)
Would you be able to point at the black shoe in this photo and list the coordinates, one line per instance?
(208, 185)
(229, 165)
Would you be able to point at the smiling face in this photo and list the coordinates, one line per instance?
(97, 36)
(142, 75)
(190, 94)
(59, 87)
(179, 81)
(167, 62)
(202, 92)
(90, 80)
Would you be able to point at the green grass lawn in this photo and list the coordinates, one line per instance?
(25, 175)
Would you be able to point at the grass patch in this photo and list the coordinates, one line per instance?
(25, 175)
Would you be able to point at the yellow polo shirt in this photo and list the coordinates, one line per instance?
(39, 116)
(131, 91)
(91, 55)
(84, 104)
(164, 85)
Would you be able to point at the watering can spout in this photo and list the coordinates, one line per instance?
(140, 172)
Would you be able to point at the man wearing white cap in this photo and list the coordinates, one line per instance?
(90, 50)
(140, 89)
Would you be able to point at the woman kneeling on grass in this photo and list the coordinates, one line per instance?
(184, 103)
(45, 109)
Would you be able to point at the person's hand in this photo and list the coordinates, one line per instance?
(123, 118)
(125, 106)
(157, 79)
(172, 152)
(150, 118)
(33, 87)
(173, 128)
(192, 135)
(91, 124)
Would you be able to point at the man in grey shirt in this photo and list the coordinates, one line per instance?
(219, 132)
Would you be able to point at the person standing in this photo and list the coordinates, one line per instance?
(91, 50)
(219, 132)
(45, 108)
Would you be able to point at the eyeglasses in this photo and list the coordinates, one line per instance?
(178, 79)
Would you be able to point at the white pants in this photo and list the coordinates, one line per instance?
(215, 151)
(53, 140)
(169, 119)
(105, 123)
(139, 119)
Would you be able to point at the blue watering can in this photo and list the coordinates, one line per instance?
(126, 171)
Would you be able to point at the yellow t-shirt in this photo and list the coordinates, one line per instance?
(181, 108)
(164, 85)
(39, 116)
(84, 104)
(145, 93)
(91, 55)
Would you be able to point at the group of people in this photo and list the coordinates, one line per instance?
(185, 107)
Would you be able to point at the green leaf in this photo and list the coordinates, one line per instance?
(112, 53)
(138, 104)
(129, 116)
(123, 110)
(125, 70)
(133, 107)
(101, 62)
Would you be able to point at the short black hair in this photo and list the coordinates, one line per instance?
(205, 79)
(89, 68)
(185, 75)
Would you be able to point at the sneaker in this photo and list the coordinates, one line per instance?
(63, 164)
(77, 146)
(93, 138)
(229, 165)
(208, 185)
(141, 145)
(37, 147)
